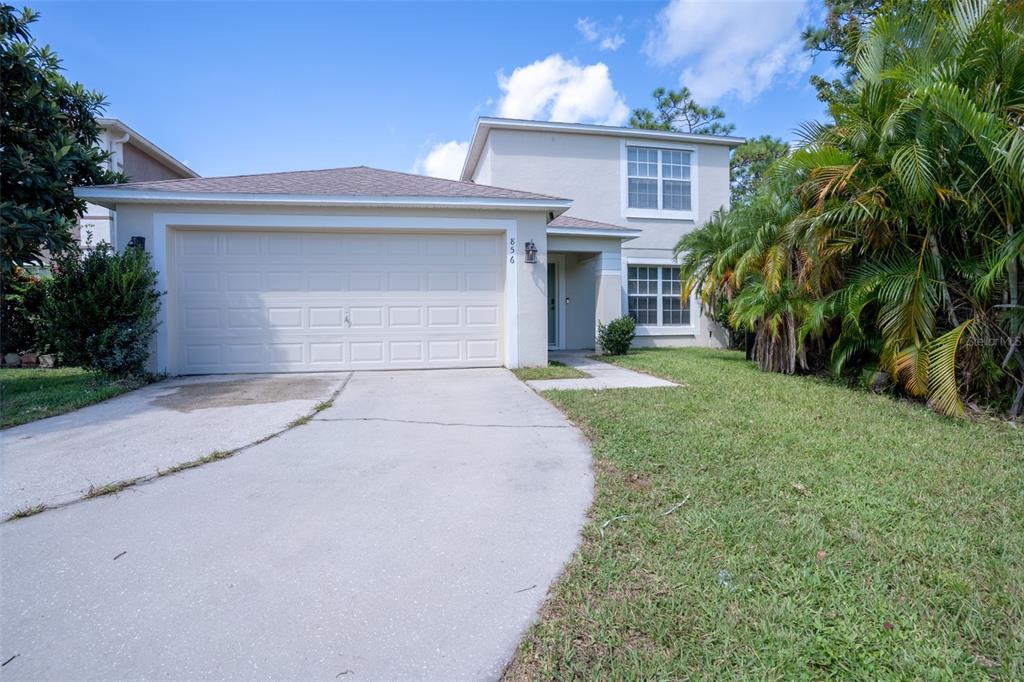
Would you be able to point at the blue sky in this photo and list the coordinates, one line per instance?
(260, 87)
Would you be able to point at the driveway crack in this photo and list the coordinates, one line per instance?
(133, 483)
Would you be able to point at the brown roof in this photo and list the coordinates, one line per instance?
(358, 181)
(572, 221)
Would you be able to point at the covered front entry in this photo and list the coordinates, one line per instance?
(294, 301)
(572, 297)
(584, 287)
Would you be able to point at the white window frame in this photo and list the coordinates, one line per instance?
(668, 214)
(691, 329)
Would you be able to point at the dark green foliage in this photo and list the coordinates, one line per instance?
(846, 24)
(750, 161)
(616, 337)
(49, 134)
(100, 310)
(22, 296)
(891, 237)
(676, 111)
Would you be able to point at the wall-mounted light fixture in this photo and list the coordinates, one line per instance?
(137, 243)
(531, 252)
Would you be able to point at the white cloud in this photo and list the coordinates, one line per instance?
(588, 28)
(443, 160)
(607, 37)
(612, 42)
(738, 47)
(557, 89)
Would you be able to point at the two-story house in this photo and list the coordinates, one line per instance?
(661, 184)
(553, 228)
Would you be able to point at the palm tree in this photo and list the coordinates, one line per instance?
(893, 234)
(931, 193)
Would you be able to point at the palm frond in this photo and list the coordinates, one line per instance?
(943, 387)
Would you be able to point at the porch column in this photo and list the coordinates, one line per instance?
(609, 288)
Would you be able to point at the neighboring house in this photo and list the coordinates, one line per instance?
(661, 183)
(358, 268)
(137, 158)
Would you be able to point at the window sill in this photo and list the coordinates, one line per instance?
(658, 214)
(688, 330)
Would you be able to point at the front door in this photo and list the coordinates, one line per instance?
(552, 305)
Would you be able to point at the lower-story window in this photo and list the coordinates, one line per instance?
(654, 296)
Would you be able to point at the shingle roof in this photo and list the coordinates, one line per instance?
(572, 221)
(358, 181)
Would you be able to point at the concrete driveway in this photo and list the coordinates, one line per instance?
(411, 531)
(56, 460)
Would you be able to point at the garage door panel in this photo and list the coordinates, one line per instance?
(363, 352)
(405, 316)
(481, 315)
(368, 316)
(285, 318)
(404, 247)
(284, 245)
(200, 244)
(250, 302)
(242, 245)
(327, 317)
(326, 353)
(326, 281)
(482, 349)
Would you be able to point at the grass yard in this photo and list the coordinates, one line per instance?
(30, 394)
(554, 370)
(823, 533)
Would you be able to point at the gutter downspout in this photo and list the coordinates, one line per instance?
(117, 151)
(116, 156)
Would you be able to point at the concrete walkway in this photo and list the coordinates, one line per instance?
(602, 375)
(411, 531)
(57, 460)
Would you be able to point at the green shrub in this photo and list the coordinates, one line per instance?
(100, 310)
(616, 337)
(21, 298)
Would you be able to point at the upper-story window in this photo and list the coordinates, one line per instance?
(658, 179)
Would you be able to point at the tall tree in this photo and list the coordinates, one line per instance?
(846, 22)
(750, 161)
(48, 139)
(678, 112)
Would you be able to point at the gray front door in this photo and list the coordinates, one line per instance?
(552, 304)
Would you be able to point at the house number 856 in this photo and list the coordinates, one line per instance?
(512, 249)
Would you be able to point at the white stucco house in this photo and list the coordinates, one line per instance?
(552, 228)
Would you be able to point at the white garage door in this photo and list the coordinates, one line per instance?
(300, 301)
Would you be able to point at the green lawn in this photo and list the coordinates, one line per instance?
(30, 394)
(824, 533)
(554, 370)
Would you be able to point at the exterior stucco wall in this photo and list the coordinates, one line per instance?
(95, 225)
(533, 287)
(528, 304)
(588, 170)
(482, 175)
